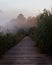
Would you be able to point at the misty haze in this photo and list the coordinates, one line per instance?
(25, 32)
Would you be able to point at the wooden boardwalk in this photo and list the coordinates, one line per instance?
(25, 53)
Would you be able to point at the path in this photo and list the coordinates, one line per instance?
(24, 53)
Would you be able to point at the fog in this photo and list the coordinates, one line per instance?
(11, 21)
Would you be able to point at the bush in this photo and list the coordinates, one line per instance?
(19, 35)
(9, 40)
(42, 34)
(6, 41)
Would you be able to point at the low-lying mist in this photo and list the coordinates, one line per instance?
(8, 25)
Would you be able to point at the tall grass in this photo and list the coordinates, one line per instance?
(42, 34)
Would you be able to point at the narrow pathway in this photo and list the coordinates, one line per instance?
(25, 53)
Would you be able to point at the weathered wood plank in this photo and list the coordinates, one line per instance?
(24, 53)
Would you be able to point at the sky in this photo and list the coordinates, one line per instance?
(11, 8)
(25, 4)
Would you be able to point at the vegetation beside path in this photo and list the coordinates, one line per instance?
(8, 40)
(42, 34)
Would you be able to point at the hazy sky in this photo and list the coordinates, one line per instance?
(30, 7)
(25, 4)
